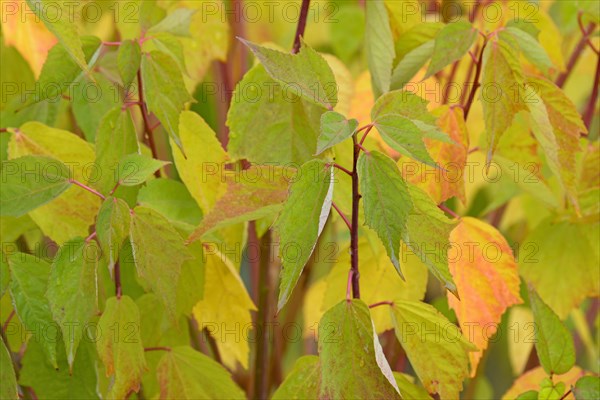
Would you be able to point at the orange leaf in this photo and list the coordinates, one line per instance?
(30, 37)
(485, 272)
(452, 157)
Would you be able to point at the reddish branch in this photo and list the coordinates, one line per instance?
(355, 275)
(145, 117)
(476, 85)
(163, 348)
(301, 25)
(382, 303)
(562, 78)
(89, 189)
(348, 224)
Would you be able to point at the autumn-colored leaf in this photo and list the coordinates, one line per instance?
(487, 280)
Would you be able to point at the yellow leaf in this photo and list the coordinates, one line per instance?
(520, 343)
(531, 380)
(487, 280)
(204, 168)
(380, 280)
(225, 309)
(72, 213)
(345, 84)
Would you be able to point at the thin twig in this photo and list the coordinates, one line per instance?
(562, 78)
(348, 224)
(159, 348)
(301, 25)
(345, 170)
(467, 107)
(354, 226)
(91, 237)
(147, 129)
(564, 396)
(382, 303)
(444, 208)
(451, 75)
(585, 35)
(369, 127)
(89, 189)
(10, 316)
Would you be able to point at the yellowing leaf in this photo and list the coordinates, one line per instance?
(71, 214)
(203, 169)
(303, 381)
(519, 349)
(449, 180)
(7, 375)
(122, 353)
(251, 194)
(184, 373)
(225, 309)
(25, 31)
(435, 347)
(531, 380)
(487, 281)
(558, 257)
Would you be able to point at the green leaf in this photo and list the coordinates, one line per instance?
(120, 346)
(29, 278)
(177, 22)
(335, 128)
(558, 127)
(128, 61)
(56, 19)
(302, 382)
(551, 391)
(71, 214)
(386, 201)
(171, 199)
(528, 395)
(302, 221)
(135, 169)
(112, 227)
(252, 194)
(8, 389)
(429, 229)
(51, 382)
(406, 104)
(268, 125)
(60, 71)
(500, 94)
(305, 74)
(452, 42)
(73, 292)
(164, 91)
(530, 48)
(436, 348)
(546, 251)
(202, 170)
(111, 147)
(91, 100)
(587, 388)
(348, 348)
(155, 244)
(408, 389)
(404, 136)
(184, 373)
(190, 288)
(410, 64)
(554, 344)
(348, 32)
(379, 46)
(29, 182)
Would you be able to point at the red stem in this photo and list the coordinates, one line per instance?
(301, 25)
(159, 348)
(382, 303)
(89, 189)
(444, 208)
(368, 128)
(449, 81)
(10, 316)
(348, 224)
(341, 168)
(562, 78)
(147, 129)
(354, 226)
(475, 81)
